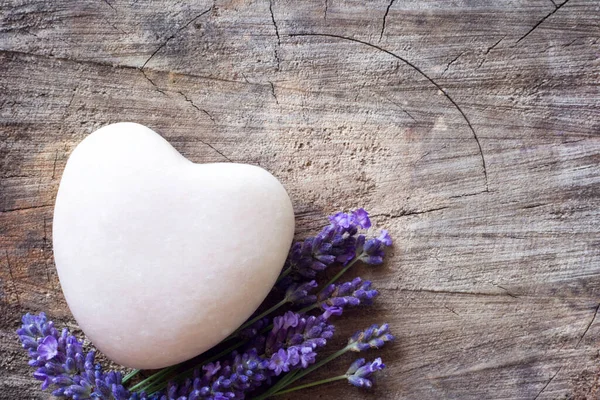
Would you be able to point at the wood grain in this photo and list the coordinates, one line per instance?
(470, 129)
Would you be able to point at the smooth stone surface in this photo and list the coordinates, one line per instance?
(160, 258)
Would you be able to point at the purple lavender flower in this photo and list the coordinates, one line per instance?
(300, 293)
(334, 298)
(384, 237)
(359, 374)
(63, 365)
(335, 243)
(279, 362)
(299, 341)
(48, 348)
(373, 337)
(361, 218)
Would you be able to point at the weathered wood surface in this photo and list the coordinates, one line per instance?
(469, 128)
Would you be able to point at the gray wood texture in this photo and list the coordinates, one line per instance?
(469, 128)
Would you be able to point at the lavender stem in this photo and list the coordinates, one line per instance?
(343, 271)
(307, 385)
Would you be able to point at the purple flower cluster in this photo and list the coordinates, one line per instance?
(63, 365)
(372, 338)
(334, 298)
(337, 242)
(360, 372)
(232, 379)
(294, 339)
(268, 348)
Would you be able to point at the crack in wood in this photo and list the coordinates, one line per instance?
(159, 90)
(587, 328)
(451, 310)
(542, 20)
(110, 5)
(405, 213)
(212, 147)
(276, 33)
(547, 383)
(197, 108)
(506, 290)
(449, 292)
(387, 10)
(492, 47)
(124, 67)
(273, 92)
(452, 62)
(422, 73)
(7, 210)
(174, 35)
(54, 166)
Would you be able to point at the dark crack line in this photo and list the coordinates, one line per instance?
(152, 83)
(14, 285)
(485, 174)
(110, 5)
(589, 325)
(198, 108)
(387, 11)
(326, 8)
(211, 146)
(25, 208)
(488, 51)
(397, 105)
(452, 62)
(174, 35)
(406, 213)
(44, 247)
(450, 292)
(542, 20)
(451, 310)
(123, 67)
(547, 383)
(554, 3)
(276, 33)
(468, 194)
(212, 119)
(492, 47)
(506, 290)
(273, 92)
(54, 166)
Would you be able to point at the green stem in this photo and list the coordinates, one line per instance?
(253, 320)
(342, 272)
(307, 371)
(309, 308)
(335, 378)
(161, 385)
(279, 385)
(284, 274)
(130, 375)
(153, 377)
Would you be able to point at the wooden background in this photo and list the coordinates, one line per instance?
(469, 128)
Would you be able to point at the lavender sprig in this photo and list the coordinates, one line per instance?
(63, 365)
(270, 354)
(359, 374)
(335, 243)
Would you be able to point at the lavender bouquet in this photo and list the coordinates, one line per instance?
(265, 356)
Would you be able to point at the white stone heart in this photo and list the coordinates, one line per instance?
(160, 258)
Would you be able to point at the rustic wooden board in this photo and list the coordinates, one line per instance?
(469, 128)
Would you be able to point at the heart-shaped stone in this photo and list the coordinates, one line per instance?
(160, 258)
